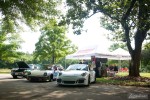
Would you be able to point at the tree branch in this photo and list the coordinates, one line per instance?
(126, 15)
(93, 14)
(102, 10)
(126, 28)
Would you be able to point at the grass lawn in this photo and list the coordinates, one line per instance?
(145, 74)
(121, 79)
(5, 71)
(108, 80)
(126, 73)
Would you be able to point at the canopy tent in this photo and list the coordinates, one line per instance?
(120, 54)
(87, 52)
(99, 52)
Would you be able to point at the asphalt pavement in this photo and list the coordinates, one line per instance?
(21, 89)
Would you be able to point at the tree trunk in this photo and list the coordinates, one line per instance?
(135, 64)
(142, 28)
(136, 55)
(53, 58)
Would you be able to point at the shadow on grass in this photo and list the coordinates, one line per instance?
(125, 81)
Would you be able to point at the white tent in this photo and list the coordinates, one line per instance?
(120, 54)
(99, 52)
(87, 52)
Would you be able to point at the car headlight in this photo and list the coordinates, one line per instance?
(83, 74)
(60, 74)
(45, 74)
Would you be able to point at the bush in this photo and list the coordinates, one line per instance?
(145, 69)
(4, 65)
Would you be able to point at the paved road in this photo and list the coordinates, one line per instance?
(21, 89)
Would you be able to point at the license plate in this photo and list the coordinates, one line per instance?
(16, 73)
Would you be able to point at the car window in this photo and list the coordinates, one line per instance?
(78, 67)
(34, 66)
(42, 67)
(31, 66)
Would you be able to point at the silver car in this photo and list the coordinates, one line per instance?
(43, 75)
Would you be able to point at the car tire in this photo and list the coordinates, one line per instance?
(88, 81)
(29, 79)
(50, 78)
(14, 76)
(59, 85)
(94, 80)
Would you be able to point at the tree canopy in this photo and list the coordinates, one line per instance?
(116, 46)
(127, 19)
(9, 44)
(30, 12)
(146, 54)
(14, 15)
(53, 43)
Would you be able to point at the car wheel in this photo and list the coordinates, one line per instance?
(50, 78)
(59, 85)
(29, 79)
(94, 80)
(14, 76)
(88, 81)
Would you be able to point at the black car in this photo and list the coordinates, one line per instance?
(19, 71)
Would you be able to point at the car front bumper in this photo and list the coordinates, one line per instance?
(71, 81)
(17, 73)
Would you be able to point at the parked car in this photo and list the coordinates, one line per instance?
(76, 74)
(43, 74)
(19, 71)
(32, 67)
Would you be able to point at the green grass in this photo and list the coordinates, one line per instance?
(109, 80)
(122, 74)
(126, 74)
(4, 71)
(145, 74)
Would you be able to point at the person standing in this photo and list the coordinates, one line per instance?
(116, 68)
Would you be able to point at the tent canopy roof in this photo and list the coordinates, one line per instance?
(87, 52)
(97, 51)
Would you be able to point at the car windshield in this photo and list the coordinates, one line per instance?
(41, 67)
(31, 66)
(78, 67)
(34, 66)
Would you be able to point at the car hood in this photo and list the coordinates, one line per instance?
(40, 72)
(22, 64)
(72, 72)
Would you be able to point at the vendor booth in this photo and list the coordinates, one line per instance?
(98, 56)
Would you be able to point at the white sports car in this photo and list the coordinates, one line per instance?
(42, 75)
(76, 74)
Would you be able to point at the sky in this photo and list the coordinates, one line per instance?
(95, 35)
